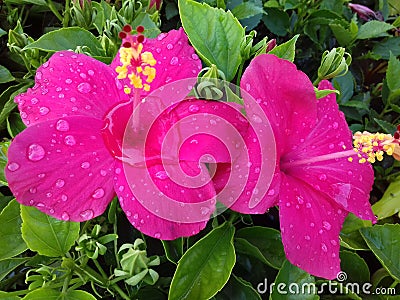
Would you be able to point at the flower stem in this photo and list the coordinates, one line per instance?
(54, 10)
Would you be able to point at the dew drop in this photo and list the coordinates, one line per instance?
(271, 192)
(161, 175)
(204, 210)
(248, 86)
(65, 216)
(83, 75)
(34, 100)
(60, 183)
(308, 205)
(174, 61)
(87, 214)
(44, 110)
(84, 87)
(194, 108)
(32, 190)
(62, 125)
(327, 225)
(256, 119)
(98, 193)
(103, 173)
(69, 140)
(35, 152)
(170, 46)
(307, 237)
(64, 197)
(161, 36)
(40, 204)
(85, 165)
(324, 247)
(322, 177)
(13, 167)
(195, 56)
(68, 81)
(335, 125)
(157, 235)
(39, 75)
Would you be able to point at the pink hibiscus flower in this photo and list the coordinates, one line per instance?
(315, 183)
(68, 162)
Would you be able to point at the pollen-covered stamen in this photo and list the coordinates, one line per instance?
(372, 146)
(136, 65)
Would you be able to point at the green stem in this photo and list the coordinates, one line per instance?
(52, 7)
(103, 274)
(65, 21)
(120, 292)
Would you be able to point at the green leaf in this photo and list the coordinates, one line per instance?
(373, 29)
(290, 276)
(173, 249)
(21, 2)
(350, 235)
(390, 201)
(68, 38)
(384, 48)
(6, 296)
(356, 104)
(277, 21)
(237, 289)
(342, 34)
(3, 161)
(2, 32)
(263, 243)
(215, 34)
(46, 235)
(247, 9)
(354, 266)
(8, 265)
(15, 124)
(151, 29)
(386, 126)
(5, 75)
(10, 231)
(50, 294)
(286, 50)
(7, 100)
(206, 267)
(392, 74)
(384, 241)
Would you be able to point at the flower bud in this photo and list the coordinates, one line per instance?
(365, 13)
(82, 13)
(334, 63)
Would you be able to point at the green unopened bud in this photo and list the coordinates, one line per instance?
(247, 45)
(128, 10)
(334, 63)
(83, 14)
(209, 85)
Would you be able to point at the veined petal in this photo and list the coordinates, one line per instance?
(160, 207)
(321, 161)
(286, 95)
(175, 58)
(62, 167)
(69, 84)
(310, 225)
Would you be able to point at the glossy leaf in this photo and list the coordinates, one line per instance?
(392, 74)
(350, 236)
(173, 249)
(354, 266)
(215, 34)
(5, 75)
(46, 235)
(50, 294)
(247, 9)
(263, 243)
(206, 267)
(238, 289)
(294, 278)
(277, 21)
(390, 201)
(373, 29)
(286, 50)
(10, 231)
(384, 241)
(3, 161)
(384, 48)
(8, 265)
(6, 296)
(66, 39)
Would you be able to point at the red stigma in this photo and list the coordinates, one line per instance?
(126, 45)
(140, 39)
(140, 29)
(127, 28)
(122, 35)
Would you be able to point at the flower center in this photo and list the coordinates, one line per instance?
(136, 65)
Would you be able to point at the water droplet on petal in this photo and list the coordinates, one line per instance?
(85, 165)
(82, 75)
(98, 193)
(68, 81)
(324, 247)
(195, 56)
(161, 36)
(204, 210)
(327, 225)
(157, 235)
(307, 237)
(40, 204)
(161, 175)
(32, 190)
(62, 125)
(256, 119)
(248, 86)
(308, 205)
(44, 110)
(64, 197)
(65, 216)
(271, 192)
(35, 152)
(13, 166)
(84, 87)
(34, 100)
(39, 75)
(322, 177)
(103, 172)
(194, 108)
(174, 61)
(60, 183)
(335, 125)
(69, 140)
(170, 46)
(87, 214)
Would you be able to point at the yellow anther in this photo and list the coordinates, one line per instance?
(139, 69)
(362, 160)
(127, 90)
(150, 73)
(136, 81)
(350, 159)
(146, 87)
(122, 72)
(147, 58)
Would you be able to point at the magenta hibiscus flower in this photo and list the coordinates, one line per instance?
(315, 183)
(68, 162)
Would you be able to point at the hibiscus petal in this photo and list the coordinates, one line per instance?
(175, 58)
(310, 225)
(62, 167)
(318, 162)
(286, 95)
(69, 84)
(147, 205)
